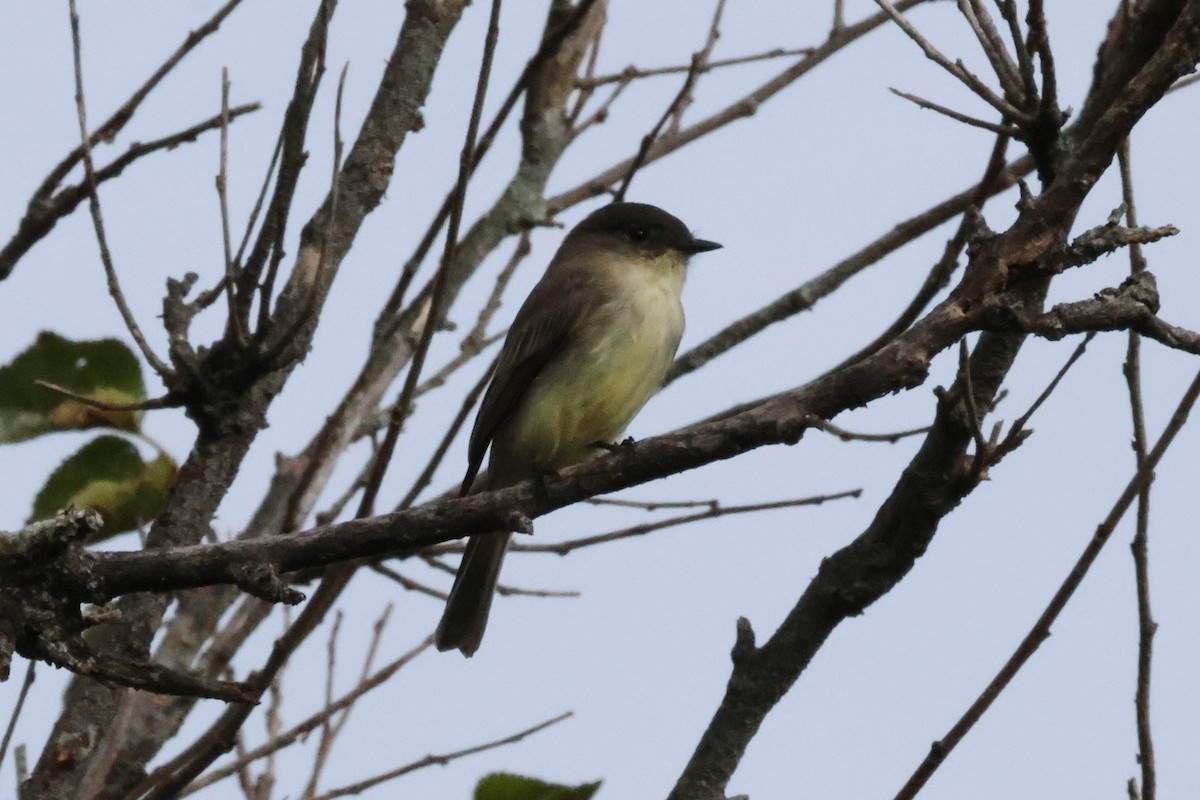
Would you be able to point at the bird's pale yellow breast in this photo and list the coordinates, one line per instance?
(615, 363)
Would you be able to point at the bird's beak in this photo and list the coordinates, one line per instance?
(701, 246)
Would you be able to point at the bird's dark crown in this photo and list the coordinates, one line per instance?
(644, 226)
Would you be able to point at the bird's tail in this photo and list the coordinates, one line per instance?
(466, 613)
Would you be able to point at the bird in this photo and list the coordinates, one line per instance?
(590, 345)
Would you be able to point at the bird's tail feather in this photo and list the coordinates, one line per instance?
(466, 613)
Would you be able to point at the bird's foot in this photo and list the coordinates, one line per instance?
(541, 483)
(617, 447)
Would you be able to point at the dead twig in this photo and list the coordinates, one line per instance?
(438, 760)
(678, 104)
(632, 73)
(851, 436)
(114, 288)
(1140, 544)
(957, 69)
(712, 512)
(166, 401)
(45, 208)
(1003, 130)
(402, 408)
(236, 323)
(293, 734)
(30, 676)
(1041, 628)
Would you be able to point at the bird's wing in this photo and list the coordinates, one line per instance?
(549, 318)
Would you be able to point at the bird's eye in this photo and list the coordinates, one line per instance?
(638, 234)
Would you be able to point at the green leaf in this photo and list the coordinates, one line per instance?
(504, 786)
(104, 370)
(109, 476)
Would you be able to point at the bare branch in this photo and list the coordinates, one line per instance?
(166, 401)
(236, 323)
(1003, 130)
(956, 68)
(40, 217)
(850, 436)
(44, 213)
(30, 676)
(114, 288)
(436, 299)
(805, 296)
(633, 73)
(1020, 428)
(712, 512)
(993, 47)
(675, 108)
(439, 760)
(1041, 629)
(296, 732)
(1140, 544)
(739, 109)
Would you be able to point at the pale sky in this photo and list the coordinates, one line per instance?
(643, 656)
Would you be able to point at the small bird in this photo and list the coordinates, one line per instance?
(590, 345)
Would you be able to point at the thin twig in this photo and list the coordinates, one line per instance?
(1008, 10)
(549, 46)
(477, 340)
(586, 89)
(1140, 544)
(502, 589)
(267, 253)
(805, 296)
(563, 548)
(433, 318)
(294, 733)
(1038, 41)
(745, 106)
(408, 583)
(438, 760)
(468, 350)
(652, 505)
(166, 401)
(235, 322)
(266, 780)
(119, 118)
(682, 98)
(41, 218)
(326, 244)
(1018, 432)
(600, 114)
(30, 676)
(114, 288)
(993, 47)
(997, 128)
(851, 436)
(443, 447)
(956, 68)
(325, 745)
(258, 204)
(632, 73)
(245, 781)
(1041, 629)
(996, 176)
(44, 210)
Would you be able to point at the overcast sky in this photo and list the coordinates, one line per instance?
(642, 656)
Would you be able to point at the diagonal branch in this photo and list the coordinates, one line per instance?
(1041, 629)
(40, 218)
(110, 272)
